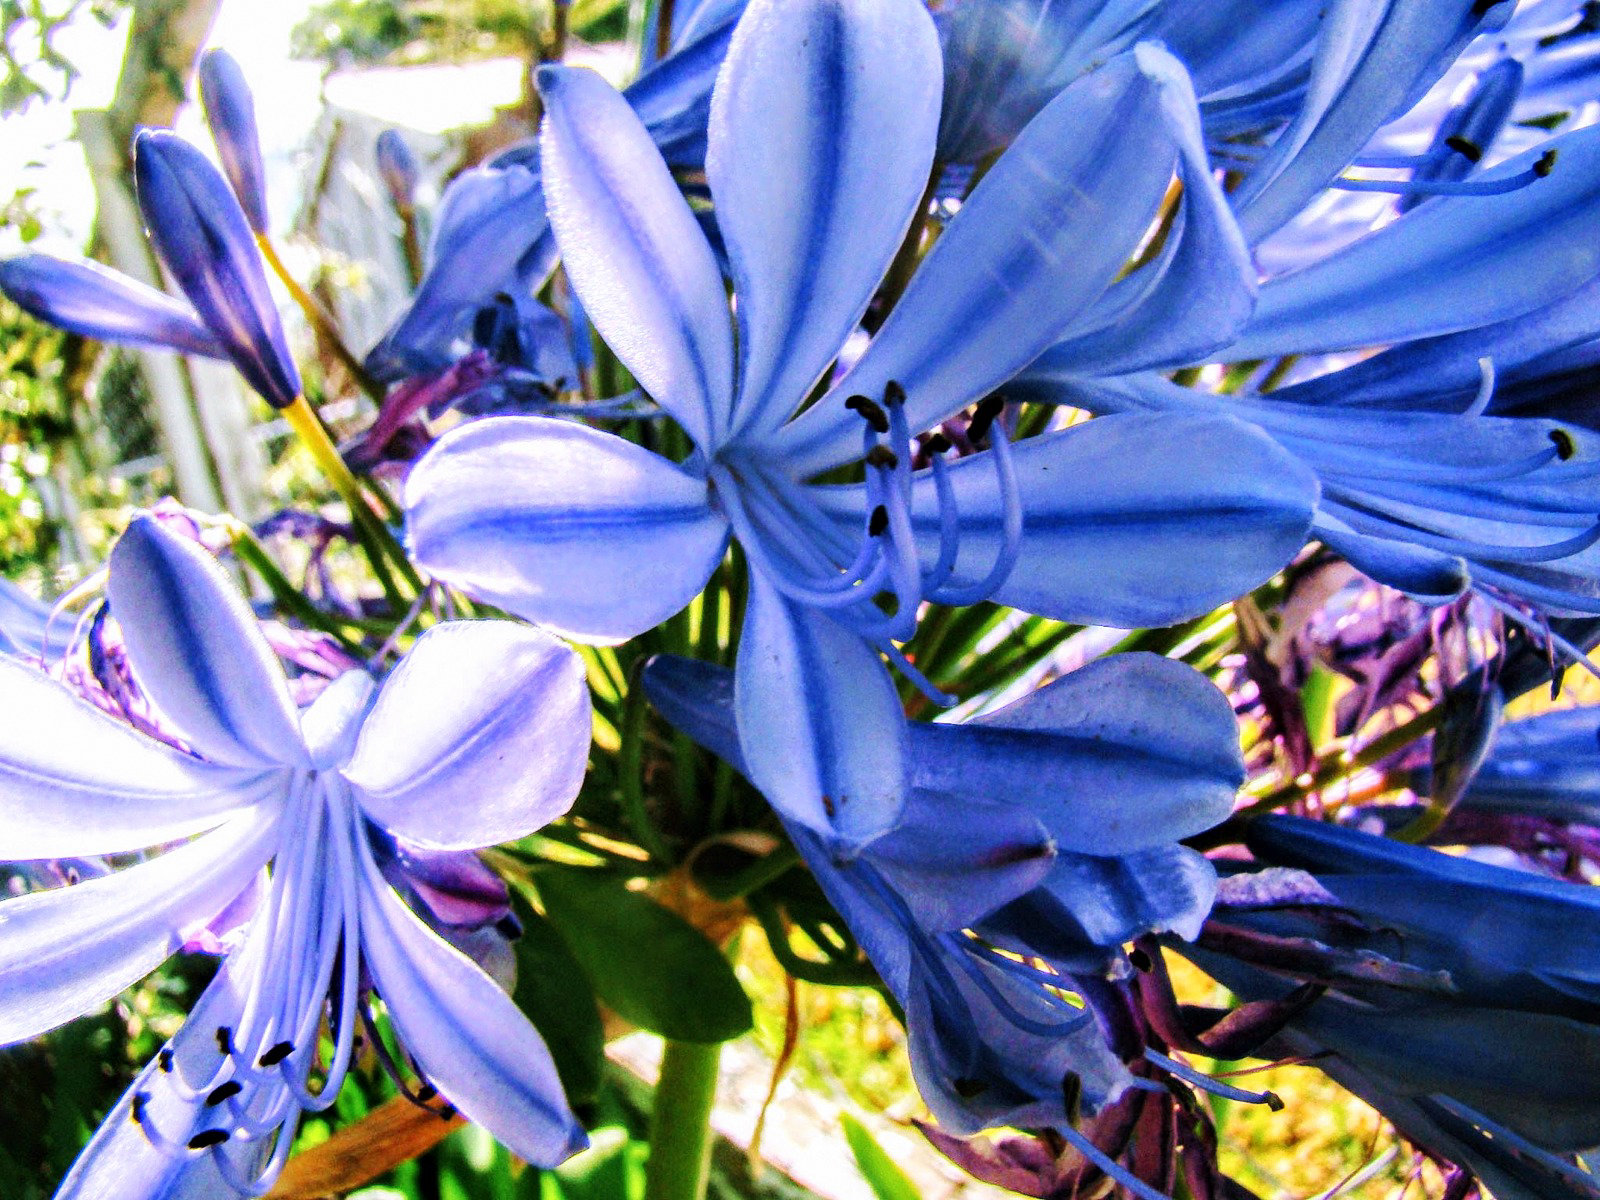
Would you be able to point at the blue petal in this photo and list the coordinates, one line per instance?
(490, 224)
(480, 736)
(64, 951)
(75, 783)
(1193, 297)
(332, 722)
(1547, 764)
(1125, 754)
(815, 171)
(673, 98)
(1240, 51)
(1451, 264)
(202, 236)
(1373, 58)
(470, 1041)
(561, 524)
(121, 1160)
(1039, 240)
(198, 651)
(97, 302)
(819, 720)
(1004, 60)
(1429, 576)
(231, 115)
(24, 622)
(634, 252)
(1129, 520)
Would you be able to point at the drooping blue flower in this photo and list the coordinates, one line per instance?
(1129, 521)
(201, 233)
(1462, 999)
(491, 233)
(479, 736)
(231, 116)
(1046, 831)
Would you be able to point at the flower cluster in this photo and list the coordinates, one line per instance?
(956, 333)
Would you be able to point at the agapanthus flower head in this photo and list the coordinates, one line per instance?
(1035, 842)
(201, 233)
(479, 736)
(1121, 522)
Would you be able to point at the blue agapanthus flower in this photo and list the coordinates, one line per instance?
(1034, 843)
(1461, 999)
(478, 737)
(815, 171)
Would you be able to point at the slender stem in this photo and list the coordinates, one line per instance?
(375, 536)
(320, 321)
(680, 1123)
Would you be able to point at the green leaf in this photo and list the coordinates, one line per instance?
(882, 1173)
(554, 993)
(1320, 697)
(650, 965)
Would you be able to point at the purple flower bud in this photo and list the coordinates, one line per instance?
(201, 234)
(95, 301)
(231, 114)
(397, 167)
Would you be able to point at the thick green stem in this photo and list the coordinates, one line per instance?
(680, 1123)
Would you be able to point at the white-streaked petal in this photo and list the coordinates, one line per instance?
(74, 782)
(820, 148)
(634, 251)
(64, 951)
(578, 530)
(470, 1040)
(198, 651)
(480, 736)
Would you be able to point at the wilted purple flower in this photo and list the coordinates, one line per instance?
(479, 736)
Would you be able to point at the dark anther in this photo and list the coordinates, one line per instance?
(1072, 1094)
(870, 411)
(208, 1137)
(1274, 1102)
(893, 393)
(136, 1106)
(224, 1091)
(1141, 961)
(968, 1088)
(225, 1039)
(878, 521)
(1566, 447)
(164, 1059)
(828, 806)
(1545, 164)
(276, 1054)
(447, 1112)
(882, 456)
(1466, 147)
(988, 409)
(937, 443)
(1479, 7)
(427, 1092)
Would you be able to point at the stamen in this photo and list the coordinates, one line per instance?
(164, 1060)
(1109, 1165)
(224, 1092)
(915, 677)
(1540, 169)
(1011, 530)
(1351, 511)
(1206, 1083)
(989, 409)
(207, 1138)
(136, 1107)
(1566, 445)
(1480, 403)
(1002, 1003)
(1466, 147)
(870, 412)
(882, 457)
(949, 525)
(878, 522)
(276, 1054)
(225, 1040)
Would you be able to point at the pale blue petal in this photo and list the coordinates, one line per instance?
(575, 529)
(819, 720)
(198, 651)
(1041, 237)
(1430, 576)
(467, 1037)
(820, 148)
(1125, 754)
(24, 622)
(65, 951)
(1453, 263)
(75, 783)
(634, 252)
(333, 720)
(1114, 900)
(1130, 520)
(480, 736)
